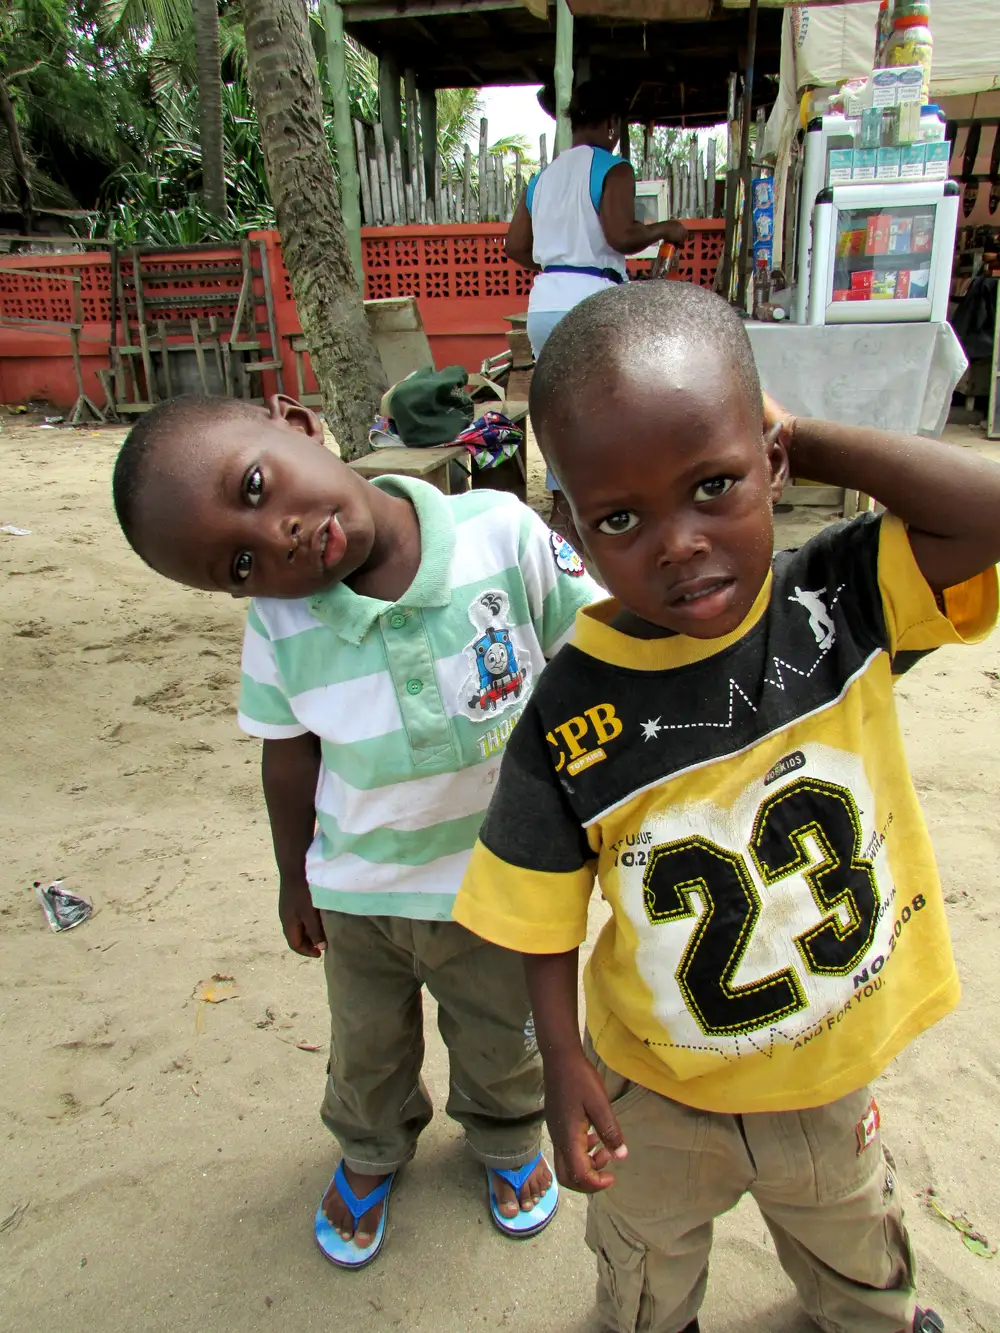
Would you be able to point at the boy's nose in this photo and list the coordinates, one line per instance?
(289, 535)
(679, 541)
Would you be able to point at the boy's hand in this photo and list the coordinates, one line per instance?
(300, 921)
(774, 413)
(575, 1100)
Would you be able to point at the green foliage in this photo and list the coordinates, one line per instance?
(157, 203)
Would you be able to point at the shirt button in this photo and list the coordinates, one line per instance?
(397, 620)
(414, 686)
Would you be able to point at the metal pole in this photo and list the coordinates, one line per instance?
(343, 133)
(564, 74)
(746, 248)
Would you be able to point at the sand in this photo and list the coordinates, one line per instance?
(162, 1157)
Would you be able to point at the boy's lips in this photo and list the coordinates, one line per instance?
(701, 599)
(332, 542)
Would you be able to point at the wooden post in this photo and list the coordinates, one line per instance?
(710, 178)
(543, 153)
(693, 161)
(366, 194)
(428, 135)
(336, 65)
(388, 101)
(746, 248)
(564, 74)
(448, 200)
(484, 134)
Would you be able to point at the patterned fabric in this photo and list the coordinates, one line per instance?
(491, 439)
(413, 701)
(778, 932)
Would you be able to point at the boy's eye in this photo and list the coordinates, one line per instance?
(253, 487)
(713, 488)
(623, 520)
(242, 566)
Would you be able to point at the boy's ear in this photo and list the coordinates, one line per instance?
(777, 458)
(286, 411)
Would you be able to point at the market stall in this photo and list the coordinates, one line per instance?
(863, 212)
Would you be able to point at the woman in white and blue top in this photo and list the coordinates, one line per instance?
(576, 223)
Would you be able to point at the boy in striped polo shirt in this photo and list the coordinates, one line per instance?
(393, 639)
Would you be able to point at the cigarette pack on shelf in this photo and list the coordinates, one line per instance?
(840, 168)
(900, 229)
(865, 164)
(911, 162)
(884, 285)
(902, 284)
(877, 242)
(887, 164)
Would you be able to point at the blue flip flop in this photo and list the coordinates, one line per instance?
(525, 1223)
(344, 1253)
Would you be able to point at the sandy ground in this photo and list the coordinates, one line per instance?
(161, 1157)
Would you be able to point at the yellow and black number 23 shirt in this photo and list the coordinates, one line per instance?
(777, 932)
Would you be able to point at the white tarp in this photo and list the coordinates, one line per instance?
(839, 43)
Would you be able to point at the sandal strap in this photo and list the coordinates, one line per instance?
(517, 1178)
(358, 1207)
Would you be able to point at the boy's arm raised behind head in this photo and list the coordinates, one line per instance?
(948, 496)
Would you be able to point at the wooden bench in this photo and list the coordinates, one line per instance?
(432, 464)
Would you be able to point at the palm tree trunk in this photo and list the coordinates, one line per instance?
(208, 57)
(24, 196)
(284, 81)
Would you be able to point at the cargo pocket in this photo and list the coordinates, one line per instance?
(622, 1299)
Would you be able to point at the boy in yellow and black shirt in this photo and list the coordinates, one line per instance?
(720, 748)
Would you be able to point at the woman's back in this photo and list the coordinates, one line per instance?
(564, 201)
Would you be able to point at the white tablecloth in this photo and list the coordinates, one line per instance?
(891, 376)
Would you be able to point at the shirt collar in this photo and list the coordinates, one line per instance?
(350, 614)
(594, 635)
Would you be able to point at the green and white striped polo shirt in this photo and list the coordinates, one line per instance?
(413, 701)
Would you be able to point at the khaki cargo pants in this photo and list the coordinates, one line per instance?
(832, 1207)
(376, 1103)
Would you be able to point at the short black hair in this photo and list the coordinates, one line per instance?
(593, 102)
(172, 420)
(637, 317)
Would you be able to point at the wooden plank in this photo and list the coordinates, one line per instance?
(350, 189)
(484, 134)
(365, 11)
(388, 95)
(168, 378)
(410, 106)
(819, 496)
(140, 311)
(428, 137)
(563, 74)
(383, 173)
(272, 323)
(366, 193)
(199, 353)
(378, 211)
(543, 153)
(467, 185)
(408, 462)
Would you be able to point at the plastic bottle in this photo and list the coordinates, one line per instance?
(911, 42)
(883, 31)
